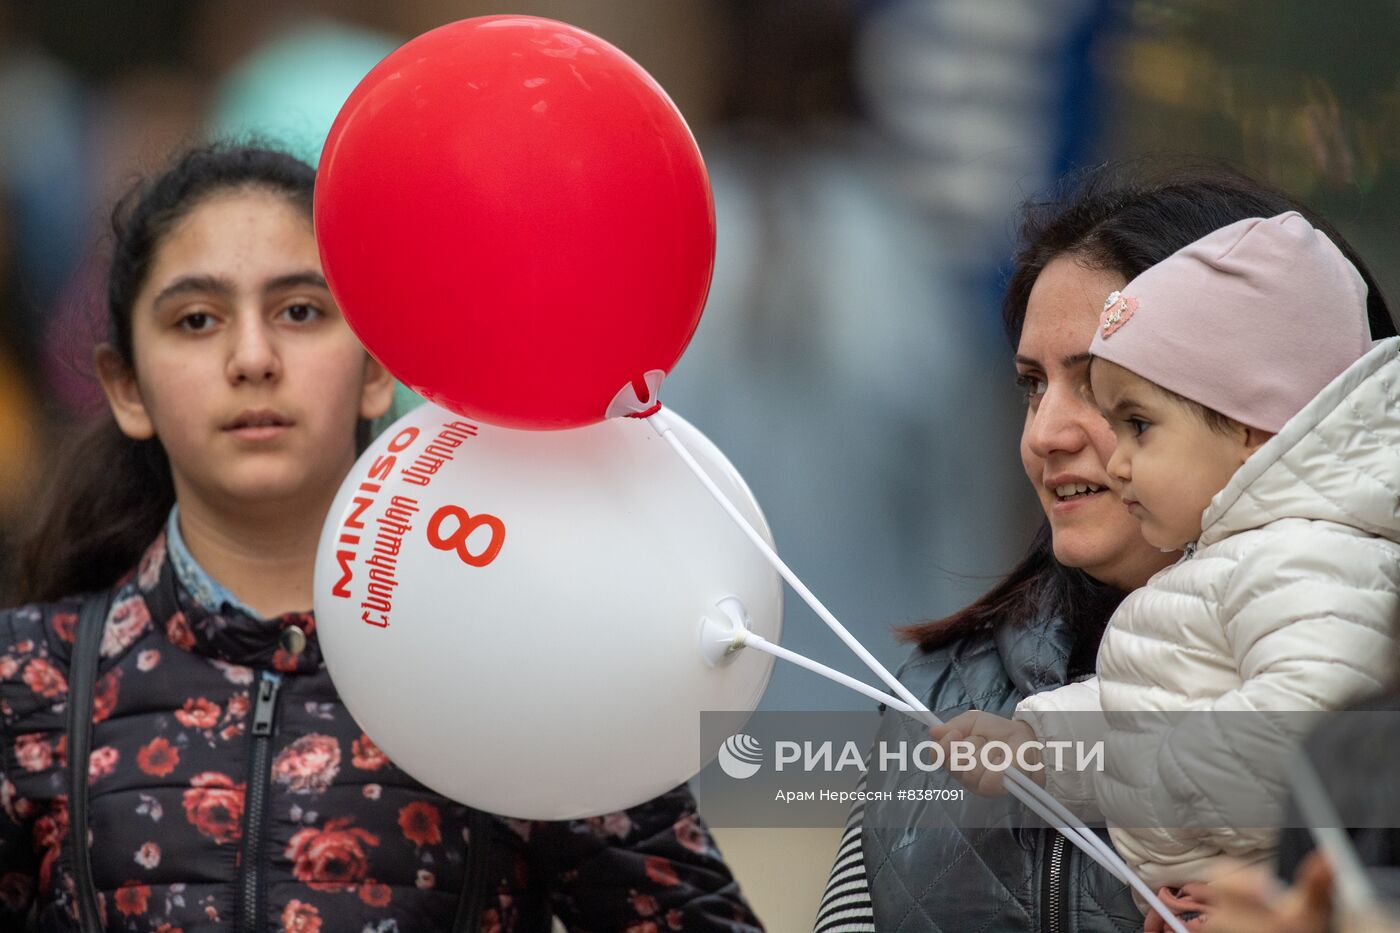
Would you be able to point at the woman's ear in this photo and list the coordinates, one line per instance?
(123, 394)
(378, 392)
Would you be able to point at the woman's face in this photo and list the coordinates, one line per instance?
(244, 367)
(1066, 443)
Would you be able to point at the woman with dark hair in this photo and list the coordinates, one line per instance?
(919, 869)
(173, 753)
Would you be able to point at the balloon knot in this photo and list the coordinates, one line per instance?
(639, 397)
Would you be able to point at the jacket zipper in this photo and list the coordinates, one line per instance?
(251, 876)
(1053, 903)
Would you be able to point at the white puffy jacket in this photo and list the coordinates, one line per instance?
(1289, 601)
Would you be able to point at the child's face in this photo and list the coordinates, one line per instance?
(1168, 463)
(244, 367)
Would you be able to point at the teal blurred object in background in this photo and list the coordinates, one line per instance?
(287, 93)
(405, 400)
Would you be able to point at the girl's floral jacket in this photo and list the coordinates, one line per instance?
(342, 841)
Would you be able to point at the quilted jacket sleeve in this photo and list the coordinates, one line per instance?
(27, 681)
(653, 867)
(1313, 622)
(1072, 713)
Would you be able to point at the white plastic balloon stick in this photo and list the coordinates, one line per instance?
(1355, 894)
(743, 639)
(658, 420)
(738, 637)
(1017, 784)
(750, 640)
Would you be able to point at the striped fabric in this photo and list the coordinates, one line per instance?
(846, 906)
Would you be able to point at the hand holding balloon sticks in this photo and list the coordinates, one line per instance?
(517, 222)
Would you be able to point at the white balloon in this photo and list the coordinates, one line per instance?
(515, 617)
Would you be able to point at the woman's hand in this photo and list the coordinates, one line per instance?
(1250, 900)
(979, 728)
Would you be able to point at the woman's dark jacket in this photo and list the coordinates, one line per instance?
(927, 871)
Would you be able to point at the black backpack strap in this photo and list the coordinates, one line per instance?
(82, 678)
(468, 917)
(534, 912)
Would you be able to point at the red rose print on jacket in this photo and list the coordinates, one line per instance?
(158, 757)
(49, 832)
(234, 673)
(104, 697)
(644, 904)
(299, 917)
(661, 871)
(177, 629)
(148, 856)
(421, 823)
(308, 765)
(690, 835)
(365, 755)
(102, 762)
(332, 858)
(125, 624)
(10, 803)
(44, 679)
(375, 894)
(131, 899)
(237, 706)
(65, 625)
(148, 571)
(33, 752)
(214, 806)
(15, 890)
(617, 824)
(198, 713)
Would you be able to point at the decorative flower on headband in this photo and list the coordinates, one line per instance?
(1118, 309)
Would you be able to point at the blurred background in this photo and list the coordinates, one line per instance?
(867, 158)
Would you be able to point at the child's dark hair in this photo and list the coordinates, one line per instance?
(1124, 218)
(1217, 422)
(1220, 424)
(109, 495)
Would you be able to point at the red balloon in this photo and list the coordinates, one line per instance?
(516, 221)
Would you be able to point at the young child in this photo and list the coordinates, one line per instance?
(1258, 432)
(227, 787)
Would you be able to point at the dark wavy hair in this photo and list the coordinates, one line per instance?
(1122, 218)
(109, 494)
